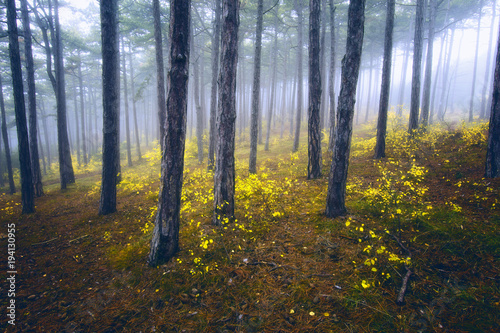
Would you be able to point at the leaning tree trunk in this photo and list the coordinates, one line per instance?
(224, 178)
(160, 71)
(493, 150)
(314, 129)
(331, 87)
(335, 200)
(33, 129)
(165, 240)
(417, 65)
(254, 121)
(386, 82)
(110, 105)
(213, 92)
(27, 189)
(298, 9)
(5, 137)
(428, 66)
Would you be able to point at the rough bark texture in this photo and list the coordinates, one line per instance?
(65, 165)
(386, 82)
(125, 99)
(426, 100)
(110, 105)
(160, 71)
(213, 92)
(27, 189)
(224, 178)
(335, 200)
(254, 121)
(33, 128)
(5, 138)
(417, 65)
(331, 87)
(298, 9)
(493, 150)
(314, 129)
(165, 240)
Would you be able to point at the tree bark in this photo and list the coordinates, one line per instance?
(110, 105)
(27, 189)
(272, 103)
(386, 82)
(314, 128)
(33, 128)
(417, 65)
(82, 112)
(160, 71)
(473, 92)
(5, 137)
(298, 9)
(428, 65)
(125, 100)
(493, 149)
(254, 121)
(487, 83)
(335, 200)
(404, 70)
(224, 178)
(199, 110)
(213, 91)
(165, 240)
(134, 107)
(331, 87)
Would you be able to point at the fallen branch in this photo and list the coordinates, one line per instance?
(74, 240)
(402, 291)
(46, 242)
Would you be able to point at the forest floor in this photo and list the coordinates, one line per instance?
(282, 266)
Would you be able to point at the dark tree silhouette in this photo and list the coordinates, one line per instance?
(224, 177)
(5, 138)
(298, 8)
(335, 200)
(27, 189)
(165, 240)
(160, 71)
(331, 87)
(110, 105)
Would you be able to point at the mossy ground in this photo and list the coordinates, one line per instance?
(282, 266)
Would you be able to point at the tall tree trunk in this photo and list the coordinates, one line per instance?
(322, 61)
(46, 133)
(272, 104)
(27, 189)
(77, 123)
(5, 137)
(493, 150)
(33, 128)
(213, 90)
(314, 129)
(254, 121)
(402, 85)
(298, 9)
(199, 110)
(331, 87)
(65, 165)
(368, 99)
(487, 83)
(165, 240)
(160, 71)
(386, 81)
(428, 65)
(125, 100)
(82, 111)
(134, 106)
(446, 71)
(110, 105)
(417, 65)
(474, 73)
(335, 200)
(224, 178)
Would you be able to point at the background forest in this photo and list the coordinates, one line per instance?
(413, 246)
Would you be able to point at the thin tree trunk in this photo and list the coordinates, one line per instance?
(165, 240)
(160, 71)
(197, 104)
(134, 107)
(77, 123)
(487, 83)
(224, 178)
(314, 128)
(125, 100)
(272, 103)
(446, 72)
(110, 105)
(298, 9)
(254, 122)
(386, 82)
(335, 200)
(417, 65)
(33, 128)
(5, 136)
(474, 73)
(213, 91)
(428, 65)
(82, 112)
(402, 85)
(27, 189)
(331, 87)
(46, 133)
